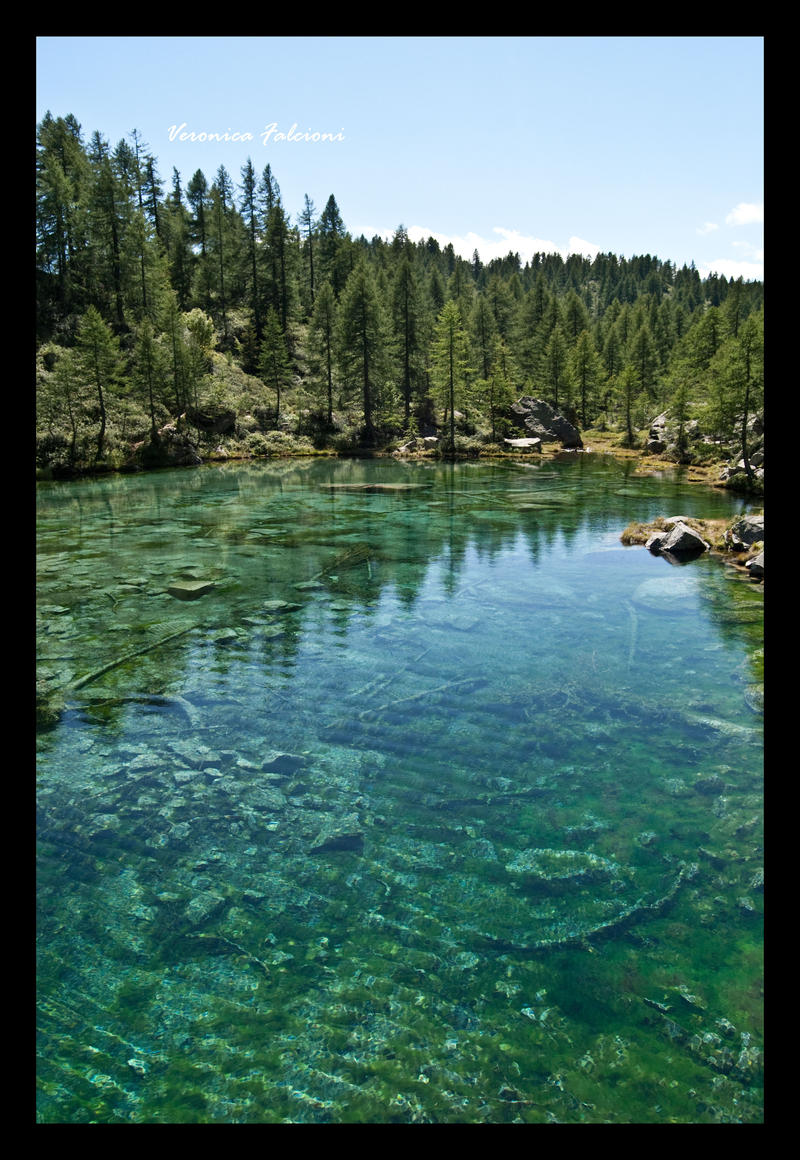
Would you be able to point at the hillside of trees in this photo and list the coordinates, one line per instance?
(213, 316)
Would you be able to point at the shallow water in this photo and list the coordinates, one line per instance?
(437, 806)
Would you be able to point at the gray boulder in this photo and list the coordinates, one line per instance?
(544, 422)
(679, 540)
(664, 432)
(220, 422)
(169, 448)
(532, 444)
(746, 531)
(756, 566)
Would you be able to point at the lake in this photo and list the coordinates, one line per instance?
(383, 792)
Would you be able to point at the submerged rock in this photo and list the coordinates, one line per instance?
(282, 763)
(203, 907)
(190, 589)
(280, 606)
(668, 594)
(559, 865)
(341, 834)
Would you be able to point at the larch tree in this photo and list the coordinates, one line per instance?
(148, 371)
(585, 372)
(405, 317)
(101, 365)
(249, 208)
(331, 241)
(555, 365)
(274, 366)
(322, 340)
(307, 227)
(450, 364)
(362, 342)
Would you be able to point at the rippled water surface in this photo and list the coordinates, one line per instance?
(389, 793)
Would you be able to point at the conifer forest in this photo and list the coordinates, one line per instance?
(210, 314)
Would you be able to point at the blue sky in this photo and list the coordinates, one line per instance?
(631, 145)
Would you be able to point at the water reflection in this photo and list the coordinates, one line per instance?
(437, 795)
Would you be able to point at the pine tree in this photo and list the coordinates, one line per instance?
(278, 246)
(322, 338)
(172, 335)
(250, 213)
(626, 391)
(274, 367)
(576, 316)
(101, 366)
(555, 365)
(736, 378)
(331, 238)
(500, 385)
(362, 342)
(307, 225)
(148, 371)
(108, 209)
(642, 356)
(585, 373)
(484, 332)
(219, 238)
(405, 317)
(176, 231)
(450, 364)
(62, 218)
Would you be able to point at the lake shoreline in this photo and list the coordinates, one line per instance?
(600, 444)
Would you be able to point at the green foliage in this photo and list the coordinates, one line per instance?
(363, 348)
(140, 293)
(273, 364)
(450, 365)
(277, 443)
(626, 392)
(586, 374)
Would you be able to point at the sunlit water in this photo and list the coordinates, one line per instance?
(439, 806)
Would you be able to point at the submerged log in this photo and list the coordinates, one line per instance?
(131, 656)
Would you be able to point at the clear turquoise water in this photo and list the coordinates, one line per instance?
(441, 806)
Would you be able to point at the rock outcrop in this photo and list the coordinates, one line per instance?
(168, 448)
(213, 422)
(692, 444)
(745, 532)
(543, 422)
(532, 444)
(677, 539)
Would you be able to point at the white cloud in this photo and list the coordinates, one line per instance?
(580, 246)
(755, 252)
(707, 228)
(745, 214)
(731, 268)
(507, 241)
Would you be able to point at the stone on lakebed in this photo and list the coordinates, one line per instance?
(190, 589)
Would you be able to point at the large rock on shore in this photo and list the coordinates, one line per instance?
(221, 422)
(677, 539)
(745, 532)
(169, 448)
(544, 422)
